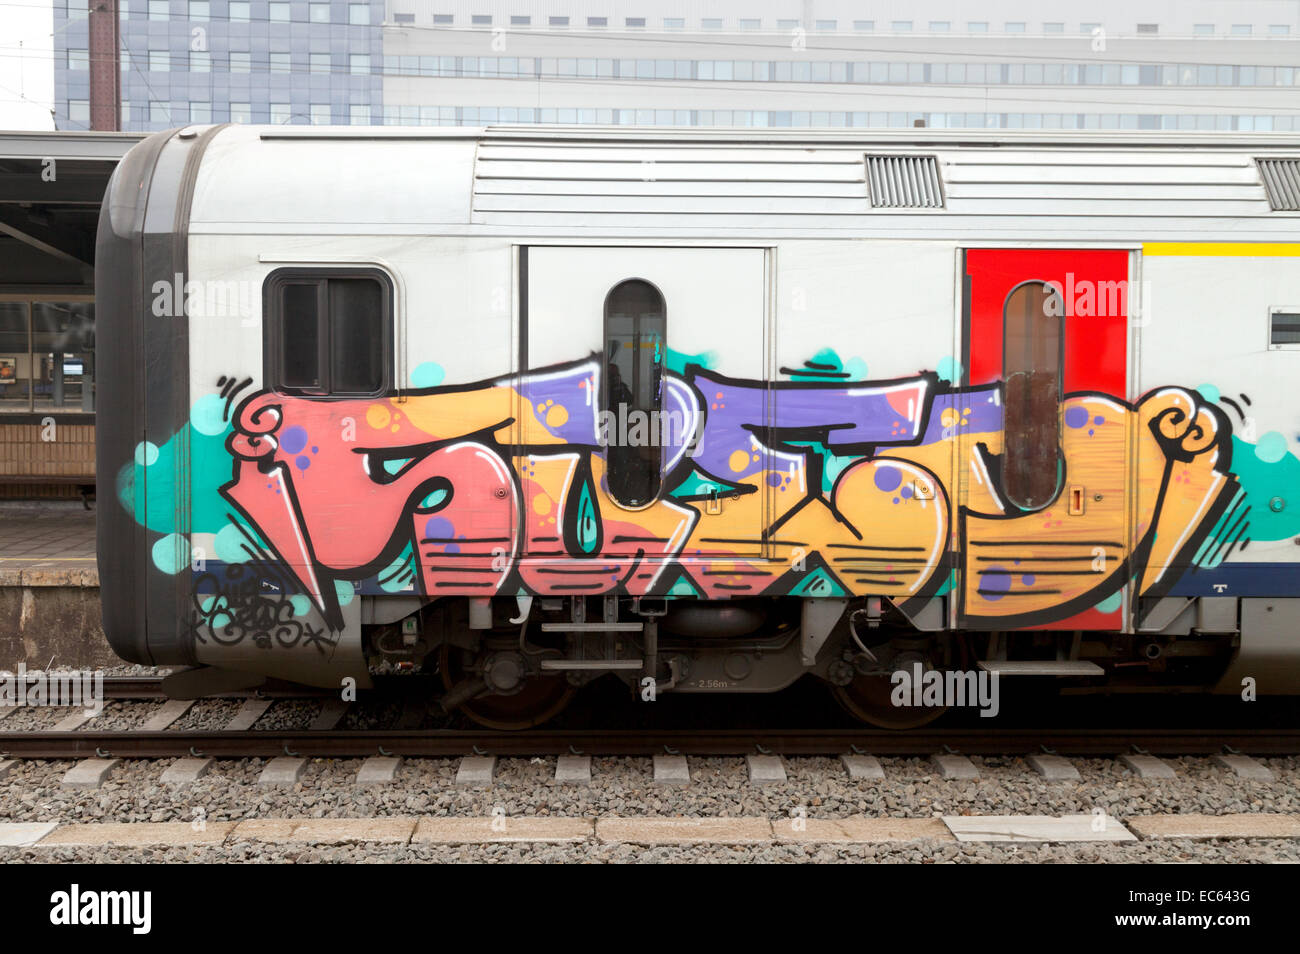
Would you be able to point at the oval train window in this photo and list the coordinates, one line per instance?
(635, 359)
(1032, 367)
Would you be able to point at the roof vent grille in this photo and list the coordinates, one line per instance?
(904, 182)
(1282, 181)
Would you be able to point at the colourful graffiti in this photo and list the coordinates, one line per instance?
(814, 486)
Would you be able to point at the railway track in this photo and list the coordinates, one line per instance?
(329, 736)
(348, 743)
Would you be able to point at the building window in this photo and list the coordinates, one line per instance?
(280, 113)
(558, 22)
(1148, 27)
(1241, 29)
(443, 19)
(241, 113)
(359, 64)
(241, 62)
(280, 63)
(712, 23)
(320, 114)
(597, 23)
(1203, 29)
(901, 26)
(940, 26)
(825, 26)
(403, 18)
(520, 21)
(318, 12)
(1279, 29)
(160, 61)
(674, 23)
(358, 14)
(1053, 27)
(47, 350)
(634, 23)
(200, 62)
(328, 333)
(78, 59)
(864, 26)
(359, 115)
(318, 62)
(159, 9)
(977, 26)
(751, 24)
(240, 11)
(79, 111)
(1032, 371)
(1016, 27)
(200, 10)
(636, 333)
(480, 20)
(1089, 27)
(160, 113)
(278, 12)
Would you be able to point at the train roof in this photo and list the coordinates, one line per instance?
(738, 185)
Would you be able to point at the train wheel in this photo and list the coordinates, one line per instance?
(870, 696)
(536, 702)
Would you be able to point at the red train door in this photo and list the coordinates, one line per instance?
(1043, 526)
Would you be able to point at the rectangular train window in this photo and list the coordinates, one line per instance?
(1284, 328)
(328, 332)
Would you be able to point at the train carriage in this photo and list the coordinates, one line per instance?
(704, 412)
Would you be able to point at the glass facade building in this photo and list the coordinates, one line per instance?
(1207, 65)
(211, 61)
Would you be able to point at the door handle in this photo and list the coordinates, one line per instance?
(1076, 501)
(713, 503)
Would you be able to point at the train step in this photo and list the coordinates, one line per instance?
(592, 627)
(591, 664)
(1041, 667)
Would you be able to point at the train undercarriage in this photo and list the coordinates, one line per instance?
(517, 663)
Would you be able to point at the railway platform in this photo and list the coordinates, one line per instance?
(49, 587)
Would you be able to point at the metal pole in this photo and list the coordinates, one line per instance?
(105, 66)
(31, 361)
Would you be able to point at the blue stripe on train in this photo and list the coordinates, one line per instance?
(1241, 579)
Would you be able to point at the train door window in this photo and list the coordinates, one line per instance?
(328, 332)
(635, 359)
(1032, 364)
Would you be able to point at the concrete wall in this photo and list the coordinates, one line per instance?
(42, 626)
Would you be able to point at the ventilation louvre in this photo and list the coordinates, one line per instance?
(904, 182)
(1282, 181)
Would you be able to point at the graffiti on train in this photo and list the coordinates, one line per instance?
(802, 487)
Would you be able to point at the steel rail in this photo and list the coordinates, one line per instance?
(335, 743)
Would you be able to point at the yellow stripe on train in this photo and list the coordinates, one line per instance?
(1220, 249)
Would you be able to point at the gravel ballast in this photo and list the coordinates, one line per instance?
(719, 787)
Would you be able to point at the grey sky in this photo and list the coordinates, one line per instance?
(26, 66)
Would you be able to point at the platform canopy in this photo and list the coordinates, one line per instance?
(51, 185)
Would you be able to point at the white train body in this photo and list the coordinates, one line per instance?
(1032, 383)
